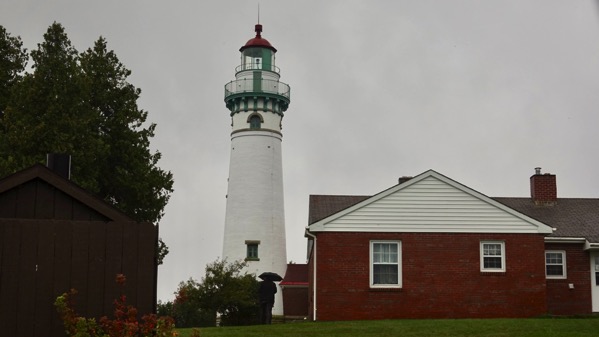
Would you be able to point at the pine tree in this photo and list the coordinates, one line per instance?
(128, 171)
(82, 105)
(48, 113)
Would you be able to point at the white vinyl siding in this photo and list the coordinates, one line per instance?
(385, 264)
(431, 204)
(555, 264)
(492, 256)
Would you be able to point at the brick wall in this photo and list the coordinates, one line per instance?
(561, 300)
(441, 278)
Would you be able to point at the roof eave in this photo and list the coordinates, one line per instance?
(554, 239)
(591, 246)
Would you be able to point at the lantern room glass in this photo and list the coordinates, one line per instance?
(258, 59)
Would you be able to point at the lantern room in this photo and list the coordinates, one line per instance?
(256, 85)
(258, 54)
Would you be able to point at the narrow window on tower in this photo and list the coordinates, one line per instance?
(252, 250)
(255, 121)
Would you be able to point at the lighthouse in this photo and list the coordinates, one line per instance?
(255, 216)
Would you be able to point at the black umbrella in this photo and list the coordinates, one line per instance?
(270, 276)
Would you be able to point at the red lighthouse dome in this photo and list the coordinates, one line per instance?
(258, 41)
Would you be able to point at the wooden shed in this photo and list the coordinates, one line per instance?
(55, 236)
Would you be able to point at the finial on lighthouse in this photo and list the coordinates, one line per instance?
(258, 28)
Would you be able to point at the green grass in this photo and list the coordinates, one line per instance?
(539, 327)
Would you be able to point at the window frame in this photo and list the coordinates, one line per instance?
(253, 117)
(482, 256)
(252, 243)
(563, 264)
(399, 264)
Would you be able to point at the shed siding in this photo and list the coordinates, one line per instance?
(41, 259)
(36, 199)
(295, 302)
(441, 278)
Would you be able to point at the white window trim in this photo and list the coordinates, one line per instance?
(565, 269)
(399, 265)
(482, 260)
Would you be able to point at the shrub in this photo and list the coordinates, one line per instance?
(124, 324)
(226, 290)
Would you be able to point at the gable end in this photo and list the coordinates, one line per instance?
(430, 202)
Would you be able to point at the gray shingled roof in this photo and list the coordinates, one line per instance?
(573, 217)
(322, 206)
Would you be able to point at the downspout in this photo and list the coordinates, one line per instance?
(314, 308)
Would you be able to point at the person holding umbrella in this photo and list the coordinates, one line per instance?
(266, 295)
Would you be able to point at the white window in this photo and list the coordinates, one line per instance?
(385, 264)
(492, 256)
(555, 264)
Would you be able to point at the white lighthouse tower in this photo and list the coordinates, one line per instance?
(255, 217)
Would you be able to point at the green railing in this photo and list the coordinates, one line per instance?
(257, 66)
(257, 86)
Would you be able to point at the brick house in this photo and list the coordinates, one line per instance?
(430, 247)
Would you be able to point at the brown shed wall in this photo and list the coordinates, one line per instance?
(37, 199)
(295, 301)
(41, 259)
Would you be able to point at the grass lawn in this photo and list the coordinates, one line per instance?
(541, 327)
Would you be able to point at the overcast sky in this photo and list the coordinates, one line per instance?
(480, 91)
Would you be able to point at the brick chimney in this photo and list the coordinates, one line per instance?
(543, 188)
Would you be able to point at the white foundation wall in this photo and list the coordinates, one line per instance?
(255, 204)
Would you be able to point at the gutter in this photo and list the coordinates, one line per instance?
(314, 308)
(549, 239)
(594, 246)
